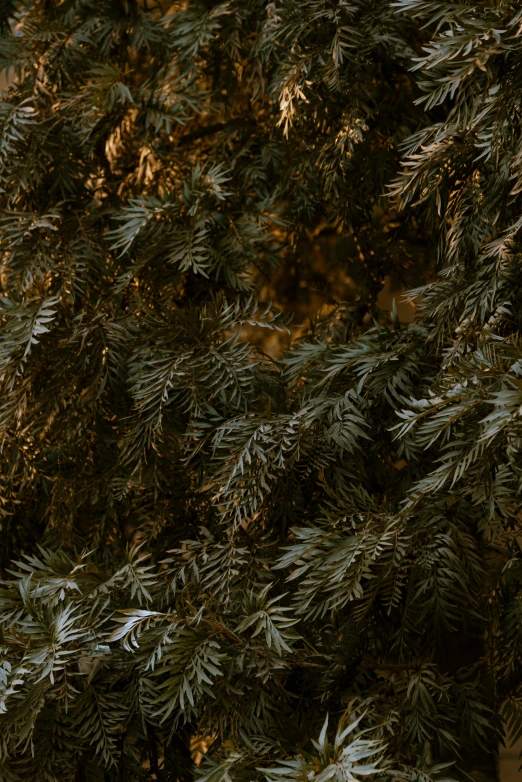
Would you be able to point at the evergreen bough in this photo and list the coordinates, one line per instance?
(306, 568)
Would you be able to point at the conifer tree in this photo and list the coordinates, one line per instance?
(284, 568)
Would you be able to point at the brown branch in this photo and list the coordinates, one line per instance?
(208, 130)
(215, 127)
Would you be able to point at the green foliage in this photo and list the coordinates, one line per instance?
(207, 546)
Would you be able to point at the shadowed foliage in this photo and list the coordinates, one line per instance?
(288, 557)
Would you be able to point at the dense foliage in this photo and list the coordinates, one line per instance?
(303, 566)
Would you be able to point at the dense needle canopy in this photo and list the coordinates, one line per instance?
(235, 557)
